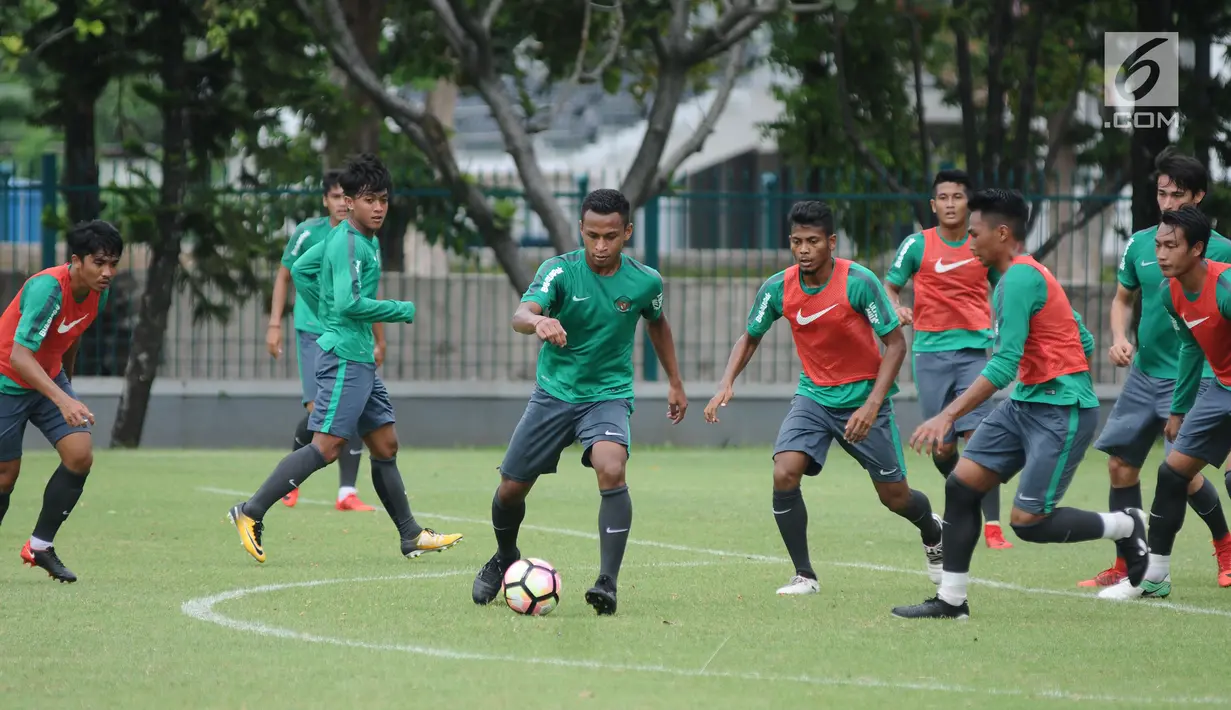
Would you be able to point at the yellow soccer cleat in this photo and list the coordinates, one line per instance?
(249, 532)
(429, 541)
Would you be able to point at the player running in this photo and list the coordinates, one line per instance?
(1144, 403)
(1042, 430)
(584, 306)
(40, 333)
(307, 329)
(837, 309)
(351, 399)
(1196, 294)
(952, 322)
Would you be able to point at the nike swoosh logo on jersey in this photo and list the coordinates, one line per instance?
(65, 327)
(1194, 323)
(801, 319)
(575, 298)
(1147, 263)
(942, 267)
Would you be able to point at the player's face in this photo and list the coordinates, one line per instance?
(335, 204)
(811, 247)
(1173, 197)
(949, 204)
(368, 209)
(1175, 256)
(96, 270)
(604, 237)
(987, 240)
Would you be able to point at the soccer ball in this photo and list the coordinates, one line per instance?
(532, 587)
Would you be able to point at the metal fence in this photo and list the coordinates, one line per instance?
(714, 247)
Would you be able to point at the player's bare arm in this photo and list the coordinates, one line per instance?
(659, 332)
(273, 333)
(23, 361)
(378, 332)
(741, 355)
(931, 434)
(1121, 351)
(905, 315)
(860, 423)
(528, 319)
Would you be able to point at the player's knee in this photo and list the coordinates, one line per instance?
(789, 470)
(610, 472)
(1172, 478)
(79, 462)
(958, 490)
(8, 475)
(330, 447)
(894, 496)
(1122, 473)
(1019, 519)
(945, 452)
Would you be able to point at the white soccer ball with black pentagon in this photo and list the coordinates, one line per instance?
(532, 587)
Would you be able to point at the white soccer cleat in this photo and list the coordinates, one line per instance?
(1124, 590)
(936, 555)
(800, 585)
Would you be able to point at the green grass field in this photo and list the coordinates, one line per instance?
(171, 612)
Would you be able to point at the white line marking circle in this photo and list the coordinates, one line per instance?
(202, 609)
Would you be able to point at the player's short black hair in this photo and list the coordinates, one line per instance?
(957, 177)
(365, 174)
(812, 213)
(86, 239)
(1184, 170)
(606, 201)
(1193, 223)
(332, 178)
(1001, 206)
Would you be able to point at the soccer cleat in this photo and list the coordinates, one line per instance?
(936, 555)
(290, 499)
(993, 535)
(1125, 591)
(429, 541)
(934, 608)
(1222, 553)
(350, 502)
(1135, 549)
(250, 530)
(1109, 577)
(49, 561)
(800, 584)
(602, 596)
(490, 579)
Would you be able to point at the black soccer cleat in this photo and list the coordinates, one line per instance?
(490, 579)
(1135, 549)
(49, 561)
(602, 596)
(934, 608)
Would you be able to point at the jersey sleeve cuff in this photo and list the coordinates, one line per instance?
(896, 280)
(994, 375)
(27, 344)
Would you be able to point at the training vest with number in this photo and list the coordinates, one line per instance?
(1053, 346)
(61, 327)
(1206, 323)
(950, 288)
(834, 341)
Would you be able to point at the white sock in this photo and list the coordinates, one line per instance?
(993, 523)
(346, 491)
(953, 587)
(1117, 525)
(37, 544)
(1160, 567)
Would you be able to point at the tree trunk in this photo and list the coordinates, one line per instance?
(1147, 143)
(966, 90)
(150, 331)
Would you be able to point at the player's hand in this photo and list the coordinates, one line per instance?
(550, 330)
(379, 353)
(931, 434)
(75, 413)
(677, 403)
(719, 400)
(273, 339)
(860, 423)
(1121, 354)
(1172, 428)
(906, 316)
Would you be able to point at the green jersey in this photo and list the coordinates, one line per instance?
(41, 299)
(599, 315)
(1190, 353)
(903, 268)
(866, 296)
(348, 282)
(306, 274)
(306, 235)
(1020, 294)
(1158, 345)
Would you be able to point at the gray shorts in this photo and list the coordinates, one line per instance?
(1206, 432)
(1138, 417)
(350, 399)
(942, 377)
(550, 425)
(810, 428)
(17, 409)
(308, 352)
(1045, 442)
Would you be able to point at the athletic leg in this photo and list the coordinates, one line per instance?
(800, 450)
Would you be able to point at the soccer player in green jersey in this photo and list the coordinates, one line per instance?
(351, 399)
(585, 306)
(951, 320)
(307, 329)
(1144, 404)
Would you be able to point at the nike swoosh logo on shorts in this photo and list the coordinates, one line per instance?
(801, 319)
(613, 433)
